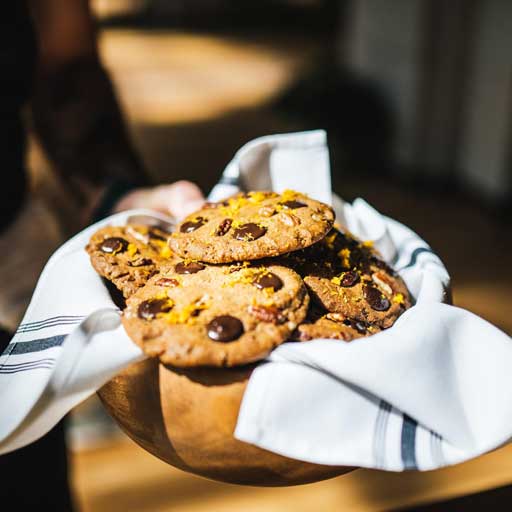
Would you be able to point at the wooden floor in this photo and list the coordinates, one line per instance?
(123, 477)
(192, 101)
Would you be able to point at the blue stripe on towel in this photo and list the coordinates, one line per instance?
(27, 347)
(379, 434)
(229, 180)
(53, 323)
(46, 366)
(408, 443)
(46, 360)
(436, 449)
(29, 325)
(415, 254)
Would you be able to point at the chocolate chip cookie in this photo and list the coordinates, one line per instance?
(252, 226)
(196, 314)
(333, 326)
(348, 277)
(129, 255)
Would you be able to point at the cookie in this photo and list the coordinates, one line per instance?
(333, 326)
(252, 226)
(203, 315)
(129, 255)
(348, 277)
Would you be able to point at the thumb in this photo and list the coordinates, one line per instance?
(179, 199)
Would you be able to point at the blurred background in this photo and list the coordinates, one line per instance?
(416, 98)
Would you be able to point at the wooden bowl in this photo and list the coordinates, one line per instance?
(187, 418)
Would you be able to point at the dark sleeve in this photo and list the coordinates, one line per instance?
(77, 118)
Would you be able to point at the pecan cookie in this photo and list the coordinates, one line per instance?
(252, 226)
(129, 255)
(333, 326)
(196, 314)
(348, 277)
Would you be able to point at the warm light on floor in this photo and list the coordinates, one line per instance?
(123, 477)
(174, 77)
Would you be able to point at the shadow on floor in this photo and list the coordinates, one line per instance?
(494, 500)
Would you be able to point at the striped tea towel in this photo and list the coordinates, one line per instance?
(428, 392)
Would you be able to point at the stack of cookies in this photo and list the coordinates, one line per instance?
(242, 276)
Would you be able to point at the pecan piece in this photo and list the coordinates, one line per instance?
(335, 317)
(266, 211)
(167, 281)
(289, 219)
(267, 314)
(383, 282)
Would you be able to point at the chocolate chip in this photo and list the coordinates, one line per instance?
(192, 225)
(359, 326)
(268, 280)
(223, 227)
(376, 299)
(154, 235)
(188, 268)
(225, 328)
(293, 205)
(150, 308)
(167, 281)
(114, 245)
(349, 279)
(249, 232)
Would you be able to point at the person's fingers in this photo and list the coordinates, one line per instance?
(179, 199)
(138, 198)
(188, 208)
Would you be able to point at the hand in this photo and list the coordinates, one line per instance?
(177, 199)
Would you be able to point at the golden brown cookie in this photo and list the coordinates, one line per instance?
(333, 326)
(129, 255)
(252, 226)
(348, 277)
(203, 315)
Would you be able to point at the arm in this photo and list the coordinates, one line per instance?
(74, 107)
(79, 123)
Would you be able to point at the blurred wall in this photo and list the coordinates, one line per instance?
(446, 68)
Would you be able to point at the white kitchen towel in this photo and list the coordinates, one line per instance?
(428, 392)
